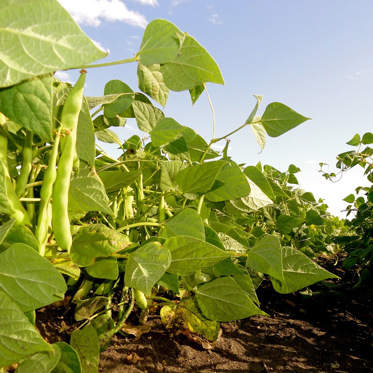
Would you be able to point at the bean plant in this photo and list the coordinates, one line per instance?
(171, 226)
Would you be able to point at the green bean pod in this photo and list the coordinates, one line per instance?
(141, 299)
(50, 174)
(161, 210)
(69, 122)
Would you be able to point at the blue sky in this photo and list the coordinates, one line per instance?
(315, 56)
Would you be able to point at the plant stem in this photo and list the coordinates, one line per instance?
(127, 60)
(139, 224)
(212, 111)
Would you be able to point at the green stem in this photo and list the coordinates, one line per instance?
(140, 224)
(121, 62)
(200, 204)
(212, 111)
(126, 314)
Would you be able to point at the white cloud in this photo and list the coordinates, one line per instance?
(147, 2)
(215, 19)
(359, 73)
(64, 76)
(178, 2)
(92, 12)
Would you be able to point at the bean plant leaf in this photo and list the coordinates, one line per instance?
(255, 175)
(252, 115)
(279, 118)
(299, 272)
(5, 229)
(191, 67)
(161, 42)
(231, 184)
(187, 222)
(169, 169)
(39, 37)
(18, 337)
(266, 257)
(29, 279)
(313, 217)
(190, 254)
(41, 362)
(106, 268)
(166, 130)
(146, 266)
(223, 299)
(69, 361)
(108, 136)
(29, 104)
(285, 223)
(85, 343)
(260, 134)
(355, 141)
(151, 83)
(94, 241)
(19, 234)
(88, 194)
(123, 102)
(88, 307)
(198, 179)
(116, 180)
(196, 92)
(147, 115)
(367, 138)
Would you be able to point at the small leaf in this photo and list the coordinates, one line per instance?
(108, 136)
(123, 102)
(313, 217)
(355, 141)
(147, 115)
(196, 92)
(350, 198)
(39, 37)
(299, 272)
(88, 194)
(30, 279)
(146, 266)
(224, 299)
(190, 254)
(96, 240)
(191, 67)
(198, 179)
(151, 83)
(259, 133)
(279, 118)
(88, 307)
(187, 222)
(367, 138)
(18, 337)
(285, 223)
(85, 343)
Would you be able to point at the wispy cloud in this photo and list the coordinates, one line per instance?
(215, 19)
(359, 73)
(178, 2)
(92, 12)
(147, 2)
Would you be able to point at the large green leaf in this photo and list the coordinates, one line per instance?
(255, 175)
(29, 279)
(41, 362)
(69, 360)
(169, 169)
(225, 300)
(146, 266)
(192, 66)
(198, 179)
(231, 184)
(279, 118)
(39, 37)
(106, 268)
(88, 194)
(166, 131)
(18, 337)
(161, 42)
(19, 234)
(266, 257)
(187, 222)
(151, 83)
(190, 254)
(299, 272)
(96, 240)
(85, 343)
(116, 180)
(29, 104)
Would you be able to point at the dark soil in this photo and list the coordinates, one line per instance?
(331, 332)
